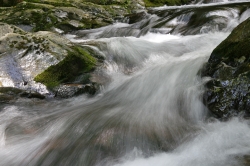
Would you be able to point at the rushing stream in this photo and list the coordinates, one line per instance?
(149, 111)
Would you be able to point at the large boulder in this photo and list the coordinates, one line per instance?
(41, 61)
(228, 94)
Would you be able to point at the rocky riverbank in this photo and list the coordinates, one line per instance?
(35, 57)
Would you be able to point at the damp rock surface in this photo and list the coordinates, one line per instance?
(228, 93)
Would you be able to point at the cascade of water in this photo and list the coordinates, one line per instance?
(151, 112)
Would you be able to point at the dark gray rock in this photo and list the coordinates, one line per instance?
(70, 90)
(228, 93)
(8, 94)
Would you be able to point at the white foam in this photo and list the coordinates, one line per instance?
(218, 144)
(158, 38)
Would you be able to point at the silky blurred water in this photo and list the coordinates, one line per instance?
(150, 111)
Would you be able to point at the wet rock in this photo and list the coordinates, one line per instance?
(245, 160)
(78, 62)
(5, 98)
(60, 16)
(24, 55)
(10, 90)
(136, 17)
(32, 94)
(8, 94)
(228, 92)
(40, 61)
(70, 90)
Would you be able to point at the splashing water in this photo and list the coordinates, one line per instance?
(150, 112)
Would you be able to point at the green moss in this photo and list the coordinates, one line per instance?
(36, 15)
(77, 62)
(43, 16)
(234, 47)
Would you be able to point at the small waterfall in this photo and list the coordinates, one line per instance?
(150, 111)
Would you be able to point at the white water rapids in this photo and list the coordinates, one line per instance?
(150, 113)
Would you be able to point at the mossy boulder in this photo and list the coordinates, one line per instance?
(75, 64)
(28, 54)
(42, 60)
(228, 92)
(45, 17)
(60, 16)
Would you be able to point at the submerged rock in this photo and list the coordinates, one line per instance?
(228, 93)
(8, 94)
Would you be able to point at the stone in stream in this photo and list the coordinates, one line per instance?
(8, 94)
(70, 90)
(29, 61)
(44, 61)
(227, 93)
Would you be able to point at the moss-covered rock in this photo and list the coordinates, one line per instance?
(43, 17)
(48, 57)
(35, 51)
(76, 63)
(58, 15)
(229, 66)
